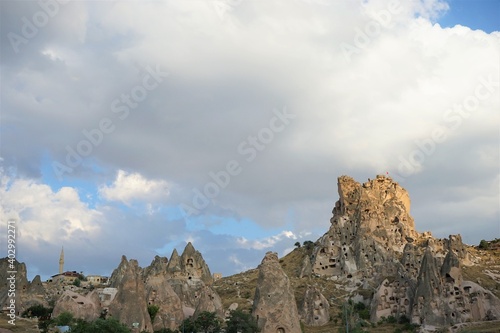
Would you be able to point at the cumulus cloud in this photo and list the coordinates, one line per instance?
(267, 243)
(129, 187)
(43, 214)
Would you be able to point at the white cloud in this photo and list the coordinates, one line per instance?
(266, 243)
(45, 215)
(129, 187)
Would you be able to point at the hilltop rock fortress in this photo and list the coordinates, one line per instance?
(372, 244)
(274, 304)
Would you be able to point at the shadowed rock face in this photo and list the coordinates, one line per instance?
(274, 304)
(129, 305)
(27, 294)
(189, 266)
(372, 241)
(160, 293)
(84, 307)
(210, 301)
(315, 310)
(188, 274)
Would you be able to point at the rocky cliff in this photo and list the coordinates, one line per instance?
(159, 293)
(372, 244)
(26, 293)
(129, 305)
(274, 303)
(371, 255)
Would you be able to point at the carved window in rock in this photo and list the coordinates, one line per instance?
(280, 330)
(189, 262)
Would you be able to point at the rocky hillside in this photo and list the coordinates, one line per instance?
(371, 269)
(372, 254)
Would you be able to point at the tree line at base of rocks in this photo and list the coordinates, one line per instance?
(206, 322)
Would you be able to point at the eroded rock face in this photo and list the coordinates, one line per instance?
(129, 305)
(27, 294)
(274, 304)
(160, 293)
(315, 310)
(83, 307)
(189, 266)
(372, 241)
(210, 301)
(371, 223)
(188, 274)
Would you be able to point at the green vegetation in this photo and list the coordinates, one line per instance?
(207, 322)
(484, 245)
(42, 313)
(309, 245)
(77, 282)
(37, 310)
(153, 310)
(64, 319)
(243, 322)
(110, 325)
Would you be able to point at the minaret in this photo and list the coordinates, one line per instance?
(61, 261)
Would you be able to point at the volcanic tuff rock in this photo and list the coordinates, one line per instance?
(188, 274)
(189, 266)
(84, 307)
(160, 293)
(129, 305)
(210, 301)
(27, 294)
(274, 304)
(372, 242)
(315, 309)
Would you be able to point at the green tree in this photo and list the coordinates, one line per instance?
(309, 245)
(187, 326)
(37, 310)
(243, 322)
(153, 310)
(362, 311)
(207, 322)
(77, 282)
(484, 244)
(64, 319)
(297, 244)
(110, 325)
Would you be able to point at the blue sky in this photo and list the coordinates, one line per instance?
(136, 127)
(475, 14)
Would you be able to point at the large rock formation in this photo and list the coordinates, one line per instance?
(129, 305)
(85, 307)
(371, 223)
(189, 266)
(315, 309)
(188, 275)
(26, 294)
(372, 242)
(210, 301)
(160, 293)
(274, 304)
